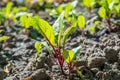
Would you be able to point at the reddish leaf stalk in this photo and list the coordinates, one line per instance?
(109, 24)
(59, 58)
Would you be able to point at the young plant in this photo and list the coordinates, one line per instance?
(55, 38)
(8, 13)
(92, 28)
(82, 24)
(68, 8)
(106, 11)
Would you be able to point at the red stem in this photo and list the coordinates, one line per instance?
(109, 24)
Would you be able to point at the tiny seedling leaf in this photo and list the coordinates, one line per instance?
(88, 3)
(81, 21)
(80, 74)
(46, 46)
(1, 31)
(68, 55)
(77, 51)
(37, 47)
(93, 28)
(3, 38)
(24, 19)
(102, 12)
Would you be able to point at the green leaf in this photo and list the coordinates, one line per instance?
(1, 30)
(109, 1)
(68, 8)
(59, 9)
(37, 47)
(58, 27)
(8, 9)
(116, 1)
(102, 12)
(111, 5)
(81, 21)
(93, 28)
(77, 51)
(80, 74)
(24, 19)
(68, 31)
(88, 3)
(23, 13)
(74, 3)
(58, 23)
(44, 28)
(46, 46)
(68, 55)
(117, 8)
(3, 38)
(15, 10)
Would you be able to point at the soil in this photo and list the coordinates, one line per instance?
(99, 58)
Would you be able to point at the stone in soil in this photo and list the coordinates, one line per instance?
(96, 61)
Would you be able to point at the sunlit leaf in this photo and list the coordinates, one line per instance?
(3, 38)
(44, 28)
(8, 9)
(109, 1)
(15, 10)
(80, 74)
(116, 1)
(37, 47)
(77, 51)
(117, 8)
(81, 21)
(111, 5)
(58, 23)
(97, 23)
(1, 31)
(23, 13)
(102, 12)
(46, 46)
(74, 3)
(92, 29)
(24, 19)
(58, 27)
(68, 55)
(59, 8)
(88, 3)
(68, 8)
(68, 31)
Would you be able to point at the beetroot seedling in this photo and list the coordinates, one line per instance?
(57, 40)
(106, 12)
